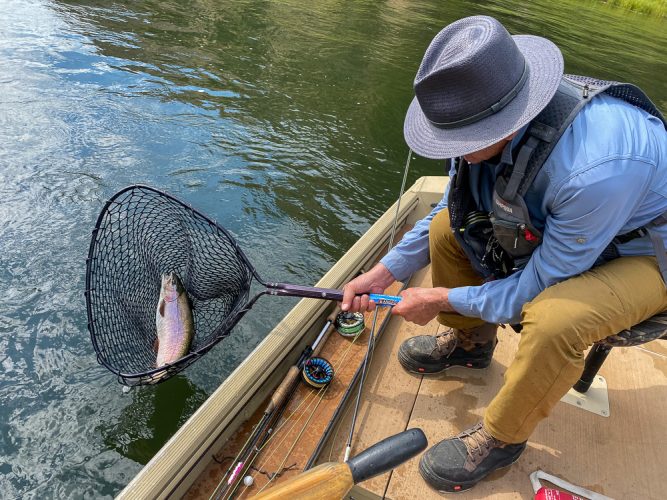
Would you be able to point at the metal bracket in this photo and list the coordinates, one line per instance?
(595, 400)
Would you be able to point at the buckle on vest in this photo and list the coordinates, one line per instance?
(542, 132)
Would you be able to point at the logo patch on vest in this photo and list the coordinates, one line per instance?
(501, 204)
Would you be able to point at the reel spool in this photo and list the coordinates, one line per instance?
(317, 372)
(349, 324)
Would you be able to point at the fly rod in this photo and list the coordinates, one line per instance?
(369, 353)
(272, 413)
(371, 337)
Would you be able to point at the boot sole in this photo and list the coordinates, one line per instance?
(446, 486)
(411, 366)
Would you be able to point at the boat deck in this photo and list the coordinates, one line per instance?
(621, 456)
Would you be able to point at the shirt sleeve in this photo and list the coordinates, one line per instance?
(412, 252)
(588, 211)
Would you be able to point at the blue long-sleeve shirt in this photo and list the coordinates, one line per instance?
(606, 176)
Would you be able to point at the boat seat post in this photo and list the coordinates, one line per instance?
(653, 328)
(593, 363)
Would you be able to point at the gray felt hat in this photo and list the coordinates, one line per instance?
(476, 85)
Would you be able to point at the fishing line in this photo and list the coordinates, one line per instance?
(288, 419)
(217, 493)
(371, 340)
(270, 475)
(236, 458)
(369, 354)
(312, 394)
(321, 394)
(274, 411)
(275, 431)
(303, 429)
(310, 398)
(398, 202)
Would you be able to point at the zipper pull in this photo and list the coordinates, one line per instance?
(519, 228)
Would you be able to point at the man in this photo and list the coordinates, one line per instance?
(551, 223)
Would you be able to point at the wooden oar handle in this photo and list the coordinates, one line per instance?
(324, 482)
(332, 481)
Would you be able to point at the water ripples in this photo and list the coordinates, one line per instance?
(283, 124)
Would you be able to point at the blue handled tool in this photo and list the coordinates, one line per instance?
(384, 300)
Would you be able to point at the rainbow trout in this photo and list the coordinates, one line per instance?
(173, 318)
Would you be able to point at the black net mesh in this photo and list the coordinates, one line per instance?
(626, 91)
(141, 234)
(554, 115)
(459, 202)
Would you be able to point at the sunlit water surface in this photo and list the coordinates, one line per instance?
(282, 120)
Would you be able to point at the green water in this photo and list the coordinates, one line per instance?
(282, 120)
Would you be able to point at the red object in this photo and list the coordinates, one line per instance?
(545, 493)
(529, 236)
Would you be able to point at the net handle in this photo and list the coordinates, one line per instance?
(312, 292)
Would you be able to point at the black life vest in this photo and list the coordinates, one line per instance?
(501, 242)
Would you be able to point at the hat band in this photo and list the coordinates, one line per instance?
(494, 108)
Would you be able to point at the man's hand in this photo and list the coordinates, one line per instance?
(355, 298)
(421, 305)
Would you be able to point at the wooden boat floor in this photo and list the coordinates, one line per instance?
(307, 414)
(621, 456)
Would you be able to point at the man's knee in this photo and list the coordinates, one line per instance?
(547, 327)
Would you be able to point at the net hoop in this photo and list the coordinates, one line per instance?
(140, 234)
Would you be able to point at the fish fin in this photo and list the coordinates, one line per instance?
(160, 308)
(156, 346)
(188, 299)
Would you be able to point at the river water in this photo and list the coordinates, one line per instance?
(280, 119)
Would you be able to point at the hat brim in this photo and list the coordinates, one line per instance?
(545, 70)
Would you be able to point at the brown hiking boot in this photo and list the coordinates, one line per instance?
(472, 348)
(458, 463)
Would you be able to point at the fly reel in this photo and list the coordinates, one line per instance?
(349, 324)
(317, 372)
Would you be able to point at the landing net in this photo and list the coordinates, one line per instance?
(141, 234)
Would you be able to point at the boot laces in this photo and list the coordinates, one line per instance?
(477, 440)
(445, 341)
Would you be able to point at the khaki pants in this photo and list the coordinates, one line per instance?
(558, 326)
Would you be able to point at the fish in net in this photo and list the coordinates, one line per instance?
(143, 233)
